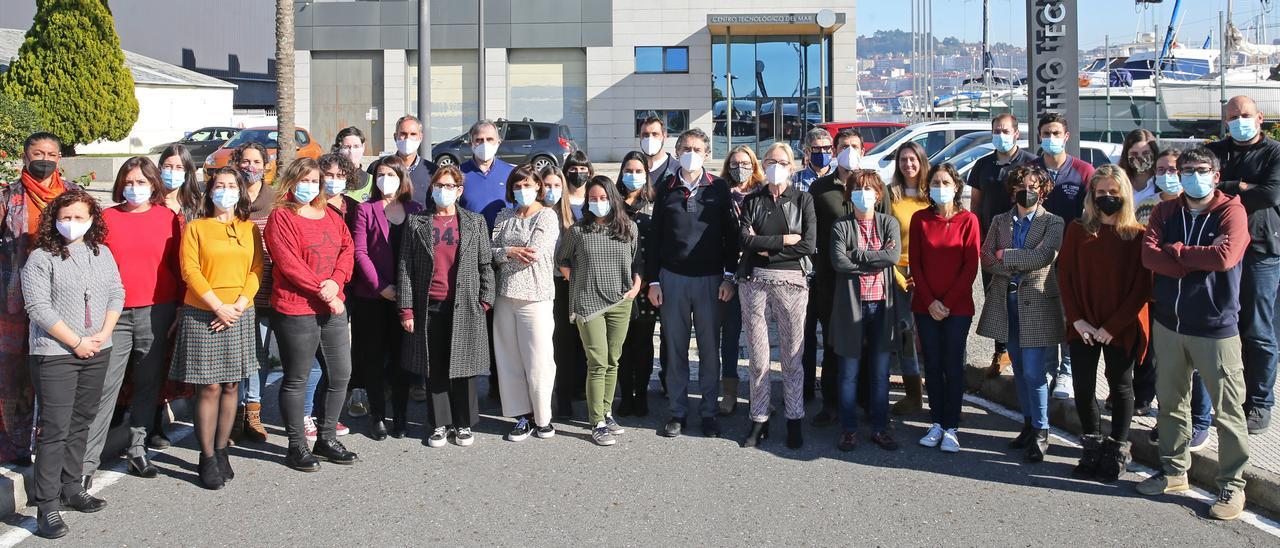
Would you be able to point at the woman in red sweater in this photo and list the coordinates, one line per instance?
(1105, 290)
(144, 237)
(313, 259)
(943, 245)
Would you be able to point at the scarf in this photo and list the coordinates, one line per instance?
(38, 197)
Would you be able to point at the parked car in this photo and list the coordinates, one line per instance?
(872, 132)
(933, 136)
(956, 147)
(523, 141)
(1095, 152)
(201, 142)
(266, 136)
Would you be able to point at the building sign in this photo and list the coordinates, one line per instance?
(1052, 59)
(764, 19)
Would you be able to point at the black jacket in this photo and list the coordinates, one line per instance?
(797, 206)
(1258, 166)
(693, 233)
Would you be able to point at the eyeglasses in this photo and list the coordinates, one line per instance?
(740, 165)
(1166, 170)
(446, 186)
(771, 163)
(1196, 170)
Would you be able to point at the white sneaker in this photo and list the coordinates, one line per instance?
(439, 436)
(1062, 390)
(934, 436)
(462, 436)
(950, 443)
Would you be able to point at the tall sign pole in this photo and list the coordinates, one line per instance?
(1053, 58)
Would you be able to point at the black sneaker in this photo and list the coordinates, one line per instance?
(83, 502)
(672, 428)
(521, 431)
(544, 432)
(49, 524)
(301, 459)
(332, 450)
(710, 427)
(1258, 419)
(463, 436)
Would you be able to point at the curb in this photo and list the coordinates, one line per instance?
(16, 481)
(1262, 489)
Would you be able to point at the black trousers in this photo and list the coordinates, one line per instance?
(68, 390)
(635, 366)
(819, 312)
(299, 338)
(377, 343)
(451, 401)
(1119, 374)
(571, 359)
(986, 281)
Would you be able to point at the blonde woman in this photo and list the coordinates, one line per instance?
(744, 174)
(908, 194)
(1104, 290)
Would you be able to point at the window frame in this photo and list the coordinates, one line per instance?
(662, 59)
(666, 115)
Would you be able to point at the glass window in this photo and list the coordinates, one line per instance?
(518, 132)
(675, 60)
(658, 60)
(301, 137)
(202, 135)
(676, 120)
(648, 59)
(541, 133)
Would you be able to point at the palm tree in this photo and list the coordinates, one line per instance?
(284, 84)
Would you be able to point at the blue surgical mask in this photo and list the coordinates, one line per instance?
(226, 198)
(1002, 141)
(1243, 129)
(633, 181)
(136, 195)
(942, 195)
(819, 160)
(305, 192)
(864, 199)
(173, 178)
(599, 209)
(1197, 185)
(443, 197)
(1053, 145)
(525, 196)
(335, 186)
(552, 197)
(1169, 182)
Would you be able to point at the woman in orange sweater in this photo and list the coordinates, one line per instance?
(1105, 290)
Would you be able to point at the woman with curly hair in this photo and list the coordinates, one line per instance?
(73, 295)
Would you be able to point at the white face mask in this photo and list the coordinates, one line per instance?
(73, 230)
(388, 184)
(484, 151)
(356, 155)
(848, 158)
(691, 161)
(777, 175)
(651, 145)
(406, 146)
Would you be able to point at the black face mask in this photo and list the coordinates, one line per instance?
(1027, 198)
(1108, 205)
(41, 169)
(574, 178)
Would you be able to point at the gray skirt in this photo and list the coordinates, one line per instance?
(203, 356)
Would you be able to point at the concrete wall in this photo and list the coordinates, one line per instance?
(165, 114)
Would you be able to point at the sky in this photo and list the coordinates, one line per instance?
(1120, 19)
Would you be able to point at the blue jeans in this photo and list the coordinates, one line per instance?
(730, 337)
(1201, 404)
(1259, 280)
(942, 348)
(877, 359)
(1029, 372)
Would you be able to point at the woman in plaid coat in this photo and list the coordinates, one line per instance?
(1022, 306)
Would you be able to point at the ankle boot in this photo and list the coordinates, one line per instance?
(156, 438)
(728, 396)
(1115, 457)
(377, 428)
(913, 402)
(795, 436)
(1024, 437)
(253, 428)
(759, 433)
(1090, 458)
(237, 425)
(1039, 446)
(224, 464)
(210, 474)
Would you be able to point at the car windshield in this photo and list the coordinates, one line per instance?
(962, 160)
(890, 141)
(961, 144)
(264, 137)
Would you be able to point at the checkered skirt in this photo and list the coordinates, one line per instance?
(203, 356)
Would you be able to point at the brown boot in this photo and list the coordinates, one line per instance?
(999, 362)
(913, 402)
(253, 423)
(237, 425)
(728, 396)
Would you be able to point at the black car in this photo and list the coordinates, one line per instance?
(202, 142)
(523, 141)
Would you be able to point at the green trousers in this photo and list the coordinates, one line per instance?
(602, 339)
(1220, 366)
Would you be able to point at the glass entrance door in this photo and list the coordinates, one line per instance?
(776, 90)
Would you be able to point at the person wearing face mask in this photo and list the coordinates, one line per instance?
(144, 238)
(349, 143)
(1022, 305)
(1067, 175)
(600, 256)
(1105, 290)
(486, 174)
(408, 138)
(378, 231)
(445, 289)
(222, 257)
(635, 365)
(21, 204)
(818, 157)
(249, 159)
(182, 185)
(988, 197)
(944, 251)
(571, 359)
(73, 295)
(743, 173)
(524, 246)
(1138, 161)
(653, 136)
(577, 171)
(1194, 245)
(1251, 170)
(778, 233)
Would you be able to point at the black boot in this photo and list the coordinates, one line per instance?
(141, 467)
(333, 451)
(156, 438)
(1115, 457)
(210, 473)
(759, 433)
(795, 436)
(1024, 437)
(301, 459)
(49, 523)
(377, 428)
(1090, 458)
(399, 427)
(224, 464)
(1039, 447)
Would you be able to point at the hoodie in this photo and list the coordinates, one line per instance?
(1197, 279)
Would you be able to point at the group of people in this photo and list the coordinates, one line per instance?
(407, 275)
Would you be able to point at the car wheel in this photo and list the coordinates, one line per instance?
(446, 160)
(541, 162)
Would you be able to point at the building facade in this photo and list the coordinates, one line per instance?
(595, 66)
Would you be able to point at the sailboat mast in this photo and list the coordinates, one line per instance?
(986, 42)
